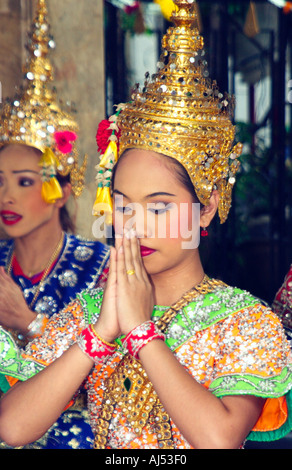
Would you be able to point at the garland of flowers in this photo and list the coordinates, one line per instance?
(50, 165)
(107, 139)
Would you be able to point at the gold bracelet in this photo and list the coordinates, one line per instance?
(111, 345)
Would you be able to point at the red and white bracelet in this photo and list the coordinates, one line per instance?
(140, 336)
(94, 346)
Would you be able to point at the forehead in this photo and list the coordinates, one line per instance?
(138, 168)
(19, 157)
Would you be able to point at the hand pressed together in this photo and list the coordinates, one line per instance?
(128, 298)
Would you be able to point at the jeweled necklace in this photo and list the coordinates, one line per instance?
(46, 271)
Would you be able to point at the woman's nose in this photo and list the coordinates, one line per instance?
(7, 195)
(141, 222)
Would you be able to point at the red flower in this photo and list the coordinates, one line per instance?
(287, 8)
(131, 9)
(63, 140)
(103, 135)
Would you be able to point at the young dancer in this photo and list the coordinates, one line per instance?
(170, 357)
(43, 264)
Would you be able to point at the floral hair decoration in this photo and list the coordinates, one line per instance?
(64, 139)
(107, 139)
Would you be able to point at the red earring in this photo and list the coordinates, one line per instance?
(204, 232)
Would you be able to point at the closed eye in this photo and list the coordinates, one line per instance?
(124, 209)
(159, 208)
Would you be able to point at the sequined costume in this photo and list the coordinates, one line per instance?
(227, 340)
(36, 118)
(79, 265)
(82, 263)
(282, 304)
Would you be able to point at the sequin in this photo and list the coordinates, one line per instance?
(227, 340)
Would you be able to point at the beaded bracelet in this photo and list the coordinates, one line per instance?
(94, 346)
(140, 336)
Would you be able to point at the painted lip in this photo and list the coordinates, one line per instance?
(10, 218)
(146, 251)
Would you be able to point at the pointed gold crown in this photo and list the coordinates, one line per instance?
(181, 113)
(34, 118)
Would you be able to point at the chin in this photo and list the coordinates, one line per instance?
(154, 268)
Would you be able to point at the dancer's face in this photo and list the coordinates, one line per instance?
(149, 196)
(22, 209)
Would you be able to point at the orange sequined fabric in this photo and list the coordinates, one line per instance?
(228, 341)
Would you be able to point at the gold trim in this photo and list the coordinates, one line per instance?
(129, 388)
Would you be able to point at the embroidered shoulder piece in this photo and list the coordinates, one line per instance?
(206, 310)
(201, 311)
(12, 361)
(91, 301)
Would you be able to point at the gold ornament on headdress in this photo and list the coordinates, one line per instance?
(181, 113)
(34, 117)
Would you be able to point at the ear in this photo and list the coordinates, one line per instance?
(67, 189)
(208, 212)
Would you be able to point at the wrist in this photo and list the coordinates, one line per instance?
(100, 329)
(94, 346)
(140, 336)
(37, 325)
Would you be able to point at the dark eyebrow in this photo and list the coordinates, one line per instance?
(25, 171)
(160, 193)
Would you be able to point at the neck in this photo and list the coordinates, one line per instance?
(34, 251)
(171, 285)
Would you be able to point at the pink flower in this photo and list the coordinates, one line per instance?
(63, 140)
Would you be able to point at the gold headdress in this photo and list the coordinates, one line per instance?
(34, 117)
(182, 114)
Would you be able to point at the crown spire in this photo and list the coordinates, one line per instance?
(38, 69)
(180, 112)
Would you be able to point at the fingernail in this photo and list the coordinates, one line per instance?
(129, 234)
(132, 233)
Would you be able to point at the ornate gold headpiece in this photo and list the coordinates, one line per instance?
(34, 118)
(181, 113)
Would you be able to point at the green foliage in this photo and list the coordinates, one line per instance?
(254, 188)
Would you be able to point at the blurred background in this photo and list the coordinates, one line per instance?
(104, 47)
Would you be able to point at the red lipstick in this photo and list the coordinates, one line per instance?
(10, 218)
(146, 251)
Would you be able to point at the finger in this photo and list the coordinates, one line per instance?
(5, 278)
(118, 243)
(136, 256)
(129, 262)
(112, 274)
(121, 270)
(2, 271)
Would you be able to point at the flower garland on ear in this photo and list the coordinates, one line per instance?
(107, 139)
(51, 189)
(50, 165)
